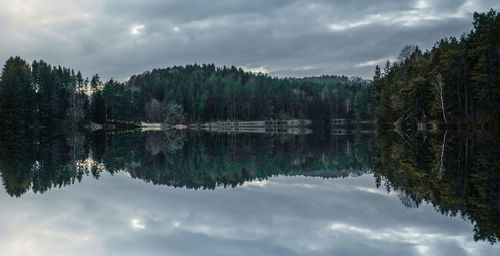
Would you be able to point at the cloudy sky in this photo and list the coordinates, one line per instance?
(117, 38)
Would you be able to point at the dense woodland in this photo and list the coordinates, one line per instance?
(457, 81)
(208, 93)
(41, 96)
(44, 96)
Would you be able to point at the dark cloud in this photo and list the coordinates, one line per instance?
(118, 38)
(185, 11)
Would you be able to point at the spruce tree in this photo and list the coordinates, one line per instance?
(17, 96)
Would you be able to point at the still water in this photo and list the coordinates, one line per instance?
(191, 193)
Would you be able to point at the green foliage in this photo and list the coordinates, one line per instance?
(118, 102)
(174, 114)
(40, 96)
(362, 103)
(17, 96)
(112, 103)
(458, 79)
(208, 93)
(50, 97)
(60, 95)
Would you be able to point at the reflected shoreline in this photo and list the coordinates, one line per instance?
(453, 171)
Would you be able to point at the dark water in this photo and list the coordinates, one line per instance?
(172, 193)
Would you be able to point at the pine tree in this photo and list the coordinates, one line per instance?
(17, 96)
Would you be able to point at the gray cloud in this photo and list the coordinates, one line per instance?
(285, 37)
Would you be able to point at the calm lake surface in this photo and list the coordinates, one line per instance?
(194, 193)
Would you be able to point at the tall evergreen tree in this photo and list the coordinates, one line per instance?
(17, 96)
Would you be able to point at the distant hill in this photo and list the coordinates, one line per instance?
(334, 79)
(207, 93)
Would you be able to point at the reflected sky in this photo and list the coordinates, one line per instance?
(118, 215)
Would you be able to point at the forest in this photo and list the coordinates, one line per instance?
(210, 93)
(43, 97)
(457, 82)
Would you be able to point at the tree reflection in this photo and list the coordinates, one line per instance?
(455, 172)
(180, 159)
(205, 161)
(40, 162)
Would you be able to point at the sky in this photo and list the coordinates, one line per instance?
(278, 216)
(119, 38)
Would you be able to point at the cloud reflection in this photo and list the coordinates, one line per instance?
(284, 217)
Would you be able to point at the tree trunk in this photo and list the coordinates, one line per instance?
(441, 170)
(439, 85)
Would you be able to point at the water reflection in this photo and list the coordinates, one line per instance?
(198, 160)
(190, 160)
(41, 162)
(455, 173)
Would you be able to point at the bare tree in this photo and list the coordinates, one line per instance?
(408, 52)
(439, 84)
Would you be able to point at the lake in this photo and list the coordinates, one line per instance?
(193, 193)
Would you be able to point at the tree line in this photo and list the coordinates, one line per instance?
(455, 82)
(40, 96)
(44, 96)
(49, 98)
(209, 93)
